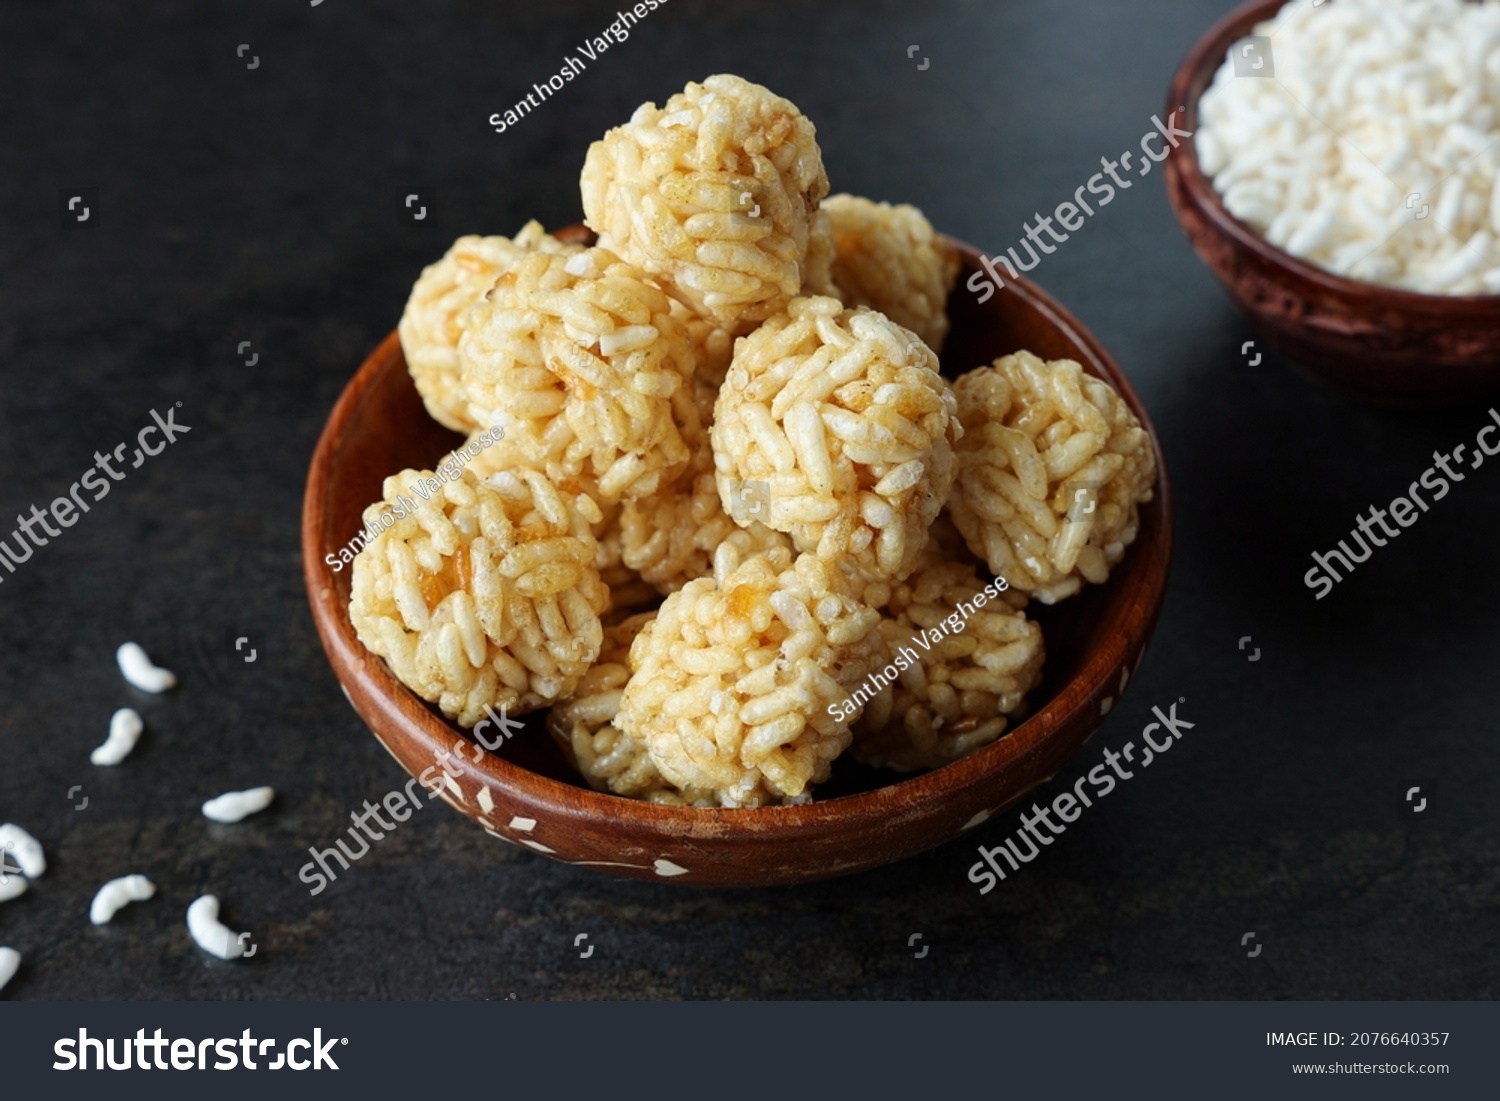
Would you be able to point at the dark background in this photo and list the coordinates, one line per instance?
(264, 205)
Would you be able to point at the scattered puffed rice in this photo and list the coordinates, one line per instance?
(118, 893)
(435, 313)
(1051, 469)
(10, 963)
(890, 259)
(209, 933)
(713, 194)
(235, 805)
(26, 849)
(138, 670)
(125, 728)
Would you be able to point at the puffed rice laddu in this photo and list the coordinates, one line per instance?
(670, 537)
(1051, 470)
(483, 593)
(890, 259)
(584, 726)
(628, 593)
(817, 278)
(733, 680)
(713, 348)
(433, 319)
(958, 692)
(713, 194)
(835, 427)
(584, 362)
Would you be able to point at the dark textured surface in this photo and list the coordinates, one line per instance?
(263, 205)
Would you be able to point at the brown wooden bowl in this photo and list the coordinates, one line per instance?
(1375, 344)
(527, 793)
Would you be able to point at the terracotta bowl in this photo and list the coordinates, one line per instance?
(526, 793)
(1387, 347)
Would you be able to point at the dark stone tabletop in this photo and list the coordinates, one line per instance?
(263, 204)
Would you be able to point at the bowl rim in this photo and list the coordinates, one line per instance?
(1199, 68)
(905, 797)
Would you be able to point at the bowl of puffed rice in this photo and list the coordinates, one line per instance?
(713, 541)
(1343, 182)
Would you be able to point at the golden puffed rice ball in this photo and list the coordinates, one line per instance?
(670, 537)
(1052, 467)
(971, 656)
(944, 545)
(627, 590)
(713, 348)
(481, 592)
(584, 725)
(817, 277)
(582, 360)
(835, 427)
(433, 319)
(890, 259)
(714, 194)
(734, 679)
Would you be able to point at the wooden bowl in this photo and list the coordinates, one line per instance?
(1375, 344)
(526, 793)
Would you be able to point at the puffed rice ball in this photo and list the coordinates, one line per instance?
(482, 592)
(890, 259)
(981, 656)
(627, 590)
(835, 427)
(433, 319)
(670, 537)
(1051, 469)
(713, 194)
(734, 679)
(584, 725)
(713, 348)
(582, 360)
(817, 276)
